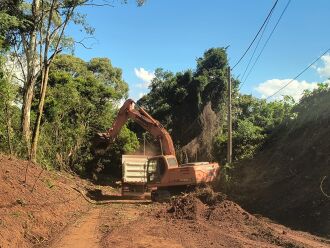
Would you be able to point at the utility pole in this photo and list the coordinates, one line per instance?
(144, 143)
(229, 121)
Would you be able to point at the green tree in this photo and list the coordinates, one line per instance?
(191, 103)
(8, 92)
(254, 121)
(82, 100)
(192, 106)
(9, 23)
(313, 106)
(36, 44)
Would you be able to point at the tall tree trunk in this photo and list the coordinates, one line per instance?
(26, 113)
(36, 132)
(32, 64)
(8, 127)
(45, 73)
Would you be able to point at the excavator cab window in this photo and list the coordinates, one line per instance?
(172, 162)
(156, 169)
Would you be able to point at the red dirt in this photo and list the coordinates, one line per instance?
(32, 218)
(55, 215)
(82, 234)
(187, 222)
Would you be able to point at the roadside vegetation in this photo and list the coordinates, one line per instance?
(52, 104)
(288, 180)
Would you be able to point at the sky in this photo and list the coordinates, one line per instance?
(172, 34)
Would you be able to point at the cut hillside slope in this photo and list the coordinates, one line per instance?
(29, 219)
(283, 182)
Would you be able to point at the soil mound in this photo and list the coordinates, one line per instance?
(208, 196)
(194, 205)
(186, 207)
(224, 221)
(230, 212)
(208, 206)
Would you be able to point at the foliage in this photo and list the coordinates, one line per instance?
(257, 121)
(179, 101)
(313, 106)
(254, 120)
(125, 143)
(83, 96)
(7, 23)
(247, 138)
(9, 112)
(37, 32)
(82, 99)
(10, 21)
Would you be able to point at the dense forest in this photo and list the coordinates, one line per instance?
(52, 103)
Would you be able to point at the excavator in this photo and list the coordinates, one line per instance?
(165, 177)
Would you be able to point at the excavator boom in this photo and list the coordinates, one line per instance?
(129, 110)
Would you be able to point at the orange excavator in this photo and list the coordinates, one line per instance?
(163, 173)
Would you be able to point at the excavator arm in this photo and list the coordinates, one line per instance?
(129, 110)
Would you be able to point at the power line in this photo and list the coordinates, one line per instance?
(255, 49)
(255, 37)
(298, 74)
(270, 35)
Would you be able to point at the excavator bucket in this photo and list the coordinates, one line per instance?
(100, 144)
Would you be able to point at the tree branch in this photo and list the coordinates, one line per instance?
(53, 55)
(19, 79)
(66, 21)
(47, 41)
(97, 5)
(40, 34)
(79, 42)
(55, 30)
(85, 46)
(20, 63)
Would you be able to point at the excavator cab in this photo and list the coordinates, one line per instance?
(156, 168)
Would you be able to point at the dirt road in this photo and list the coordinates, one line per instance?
(55, 215)
(91, 229)
(150, 225)
(83, 233)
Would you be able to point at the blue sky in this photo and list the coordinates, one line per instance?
(172, 34)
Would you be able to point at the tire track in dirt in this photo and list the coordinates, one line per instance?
(99, 222)
(84, 233)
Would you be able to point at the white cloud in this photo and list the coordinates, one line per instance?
(294, 89)
(143, 85)
(145, 75)
(325, 70)
(141, 94)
